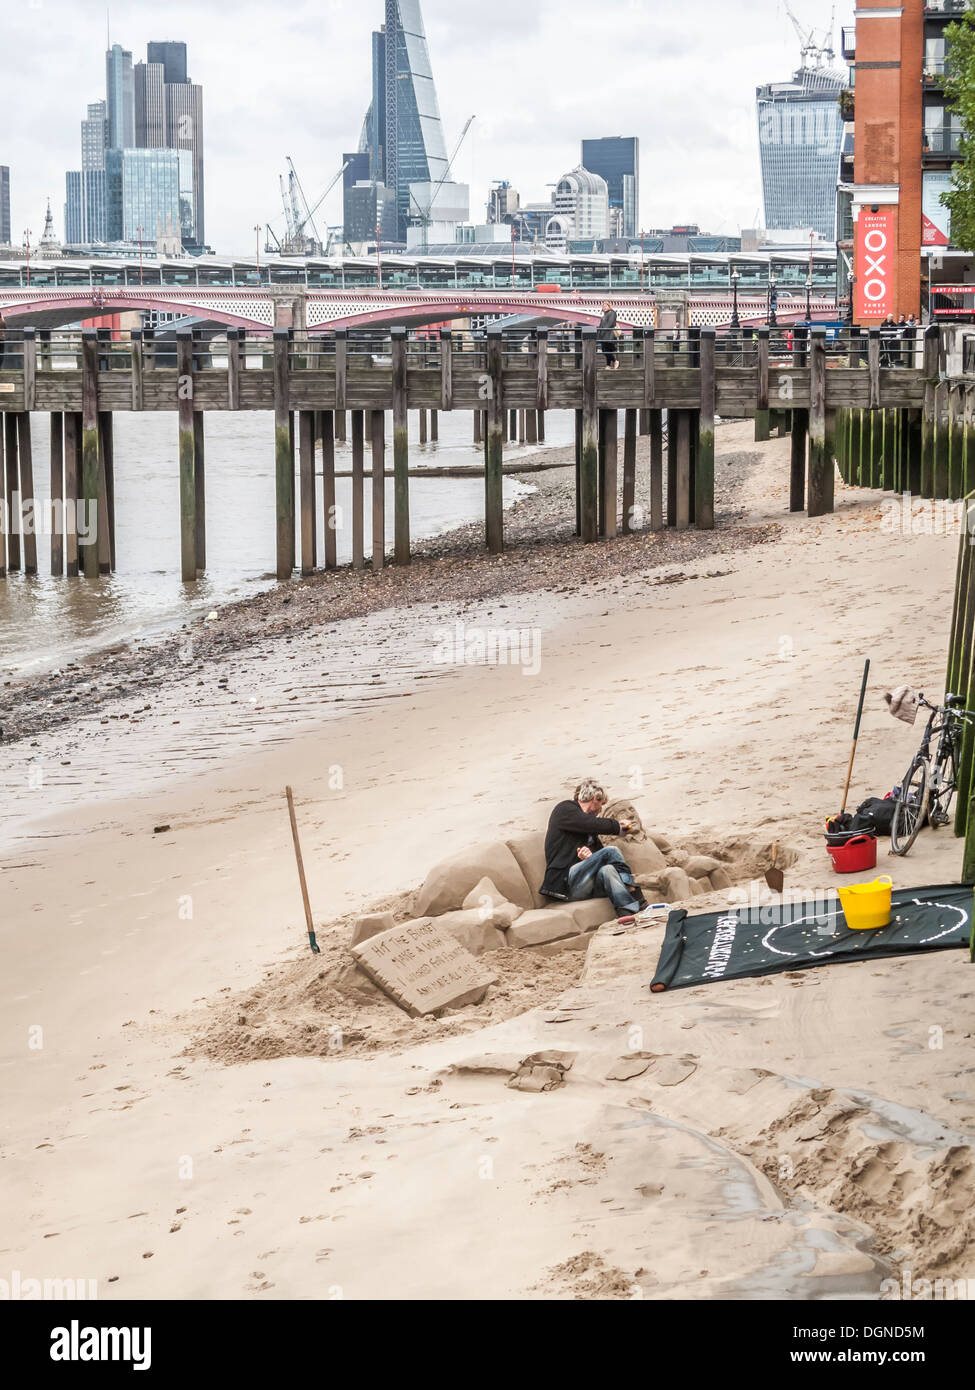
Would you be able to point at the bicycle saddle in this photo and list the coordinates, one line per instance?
(953, 701)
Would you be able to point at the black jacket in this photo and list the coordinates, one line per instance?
(606, 325)
(569, 828)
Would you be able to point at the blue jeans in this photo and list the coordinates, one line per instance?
(604, 874)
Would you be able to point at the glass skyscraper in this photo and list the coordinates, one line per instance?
(4, 205)
(616, 158)
(120, 87)
(800, 132)
(143, 193)
(402, 132)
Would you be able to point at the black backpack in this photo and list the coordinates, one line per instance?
(875, 815)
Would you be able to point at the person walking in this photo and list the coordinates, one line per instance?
(607, 336)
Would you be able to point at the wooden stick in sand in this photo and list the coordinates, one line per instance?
(856, 733)
(301, 874)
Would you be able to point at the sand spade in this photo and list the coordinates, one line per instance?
(773, 876)
(301, 874)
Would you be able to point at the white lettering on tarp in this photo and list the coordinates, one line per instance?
(721, 947)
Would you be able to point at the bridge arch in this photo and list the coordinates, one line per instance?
(561, 308)
(234, 309)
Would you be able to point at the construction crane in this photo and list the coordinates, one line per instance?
(815, 54)
(297, 242)
(425, 216)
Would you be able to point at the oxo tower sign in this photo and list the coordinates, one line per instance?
(876, 242)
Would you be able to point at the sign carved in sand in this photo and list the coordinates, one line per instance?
(423, 968)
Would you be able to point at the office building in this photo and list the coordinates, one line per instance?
(184, 131)
(800, 133)
(150, 106)
(616, 158)
(172, 56)
(85, 207)
(143, 193)
(581, 205)
(120, 89)
(402, 132)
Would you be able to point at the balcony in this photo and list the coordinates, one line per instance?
(936, 73)
(848, 42)
(942, 144)
(944, 8)
(846, 100)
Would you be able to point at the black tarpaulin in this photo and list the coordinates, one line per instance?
(743, 941)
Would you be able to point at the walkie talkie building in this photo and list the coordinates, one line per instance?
(800, 131)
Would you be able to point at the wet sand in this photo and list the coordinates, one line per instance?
(135, 1158)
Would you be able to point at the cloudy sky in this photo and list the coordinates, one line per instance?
(293, 79)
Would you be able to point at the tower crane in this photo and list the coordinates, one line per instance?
(424, 214)
(296, 240)
(815, 54)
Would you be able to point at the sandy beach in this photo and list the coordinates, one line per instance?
(199, 1108)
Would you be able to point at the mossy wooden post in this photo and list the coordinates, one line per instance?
(284, 466)
(27, 498)
(704, 453)
(531, 426)
(930, 372)
(956, 461)
(187, 454)
(377, 438)
(820, 482)
(106, 490)
(656, 470)
(494, 446)
(89, 447)
(800, 429)
(358, 488)
(541, 426)
(3, 511)
(329, 531)
(422, 432)
(683, 460)
(57, 493)
(644, 425)
(306, 489)
(12, 487)
(672, 418)
(401, 451)
(578, 469)
(629, 469)
(200, 473)
(968, 470)
(608, 472)
(588, 488)
(72, 456)
(434, 427)
(478, 415)
(340, 426)
(941, 440)
(762, 430)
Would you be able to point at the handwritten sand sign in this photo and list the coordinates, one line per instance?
(423, 968)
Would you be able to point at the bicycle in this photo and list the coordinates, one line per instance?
(931, 780)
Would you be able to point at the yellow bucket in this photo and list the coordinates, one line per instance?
(866, 906)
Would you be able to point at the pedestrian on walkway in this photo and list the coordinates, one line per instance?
(607, 336)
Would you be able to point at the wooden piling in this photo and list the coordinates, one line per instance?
(578, 470)
(306, 489)
(797, 470)
(3, 508)
(377, 436)
(358, 488)
(941, 435)
(340, 427)
(89, 447)
(283, 458)
(106, 493)
(494, 447)
(329, 513)
(27, 497)
(704, 457)
(644, 422)
(608, 473)
(422, 426)
(588, 488)
(762, 422)
(199, 473)
(683, 458)
(540, 415)
(72, 483)
(820, 481)
(478, 414)
(629, 469)
(57, 493)
(656, 431)
(401, 451)
(12, 476)
(434, 427)
(672, 418)
(531, 427)
(931, 372)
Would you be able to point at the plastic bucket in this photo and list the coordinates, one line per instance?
(856, 855)
(866, 906)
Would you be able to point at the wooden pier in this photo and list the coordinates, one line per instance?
(888, 423)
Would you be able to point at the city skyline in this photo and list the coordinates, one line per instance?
(700, 163)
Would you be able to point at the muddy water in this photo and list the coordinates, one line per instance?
(45, 622)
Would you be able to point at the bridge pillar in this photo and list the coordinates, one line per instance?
(358, 488)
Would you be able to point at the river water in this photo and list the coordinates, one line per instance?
(46, 621)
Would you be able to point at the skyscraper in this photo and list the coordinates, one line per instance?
(402, 132)
(800, 131)
(4, 205)
(150, 105)
(616, 158)
(184, 131)
(143, 193)
(120, 88)
(173, 58)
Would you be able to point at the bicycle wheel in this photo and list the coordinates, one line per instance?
(911, 808)
(939, 801)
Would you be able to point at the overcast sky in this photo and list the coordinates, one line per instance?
(294, 79)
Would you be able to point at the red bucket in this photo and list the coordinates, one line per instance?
(858, 853)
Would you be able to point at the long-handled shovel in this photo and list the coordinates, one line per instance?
(856, 733)
(301, 875)
(773, 875)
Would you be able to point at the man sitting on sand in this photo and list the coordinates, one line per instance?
(577, 866)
